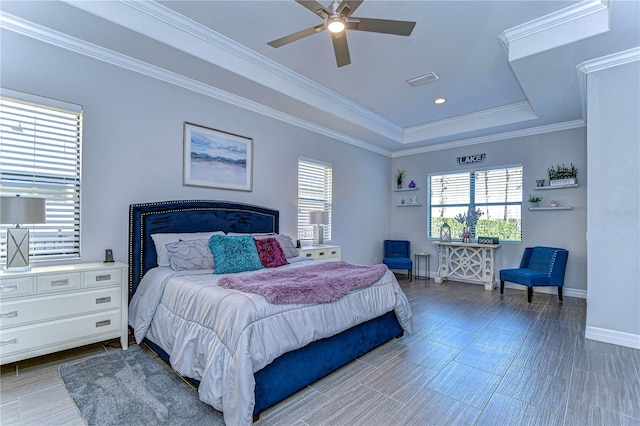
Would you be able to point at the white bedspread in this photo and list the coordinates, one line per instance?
(221, 337)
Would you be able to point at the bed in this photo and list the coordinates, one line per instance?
(323, 345)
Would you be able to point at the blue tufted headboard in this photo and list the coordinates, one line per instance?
(187, 216)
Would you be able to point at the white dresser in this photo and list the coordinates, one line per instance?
(53, 308)
(325, 252)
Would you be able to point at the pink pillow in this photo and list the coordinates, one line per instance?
(270, 252)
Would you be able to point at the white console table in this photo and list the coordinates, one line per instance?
(467, 262)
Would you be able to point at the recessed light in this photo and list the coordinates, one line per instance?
(440, 101)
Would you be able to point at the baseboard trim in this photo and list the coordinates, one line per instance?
(612, 336)
(566, 291)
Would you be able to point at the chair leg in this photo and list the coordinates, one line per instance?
(501, 287)
(529, 294)
(560, 292)
(410, 273)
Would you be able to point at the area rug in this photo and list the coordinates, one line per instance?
(133, 387)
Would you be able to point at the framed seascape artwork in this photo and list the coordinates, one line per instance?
(217, 159)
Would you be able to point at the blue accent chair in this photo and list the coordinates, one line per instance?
(397, 255)
(540, 266)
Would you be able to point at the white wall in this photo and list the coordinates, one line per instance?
(562, 228)
(613, 308)
(132, 150)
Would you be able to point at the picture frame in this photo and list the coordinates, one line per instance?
(216, 159)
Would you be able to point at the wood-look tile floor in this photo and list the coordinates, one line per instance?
(475, 358)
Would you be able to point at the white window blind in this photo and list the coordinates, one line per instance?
(495, 193)
(314, 194)
(40, 142)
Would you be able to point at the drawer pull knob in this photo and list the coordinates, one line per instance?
(103, 323)
(59, 283)
(333, 252)
(6, 288)
(10, 314)
(105, 277)
(106, 299)
(9, 342)
(321, 253)
(308, 254)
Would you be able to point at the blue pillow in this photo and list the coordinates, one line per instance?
(234, 254)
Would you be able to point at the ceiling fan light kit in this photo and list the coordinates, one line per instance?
(337, 18)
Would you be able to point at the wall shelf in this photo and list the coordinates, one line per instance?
(406, 189)
(409, 205)
(551, 208)
(540, 188)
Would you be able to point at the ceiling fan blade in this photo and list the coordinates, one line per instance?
(347, 7)
(386, 26)
(315, 7)
(341, 48)
(296, 36)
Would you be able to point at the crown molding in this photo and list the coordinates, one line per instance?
(507, 114)
(47, 35)
(492, 138)
(573, 23)
(599, 64)
(154, 20)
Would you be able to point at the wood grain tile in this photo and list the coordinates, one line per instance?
(452, 336)
(430, 354)
(611, 393)
(502, 339)
(399, 379)
(466, 384)
(485, 358)
(535, 388)
(428, 407)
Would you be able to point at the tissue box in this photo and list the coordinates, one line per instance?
(488, 240)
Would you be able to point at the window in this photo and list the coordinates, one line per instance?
(314, 194)
(40, 156)
(495, 194)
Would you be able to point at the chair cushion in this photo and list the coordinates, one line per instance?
(525, 276)
(398, 262)
(541, 258)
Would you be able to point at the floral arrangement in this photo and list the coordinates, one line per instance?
(562, 172)
(469, 220)
(400, 176)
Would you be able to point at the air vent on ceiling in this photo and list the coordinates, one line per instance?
(423, 79)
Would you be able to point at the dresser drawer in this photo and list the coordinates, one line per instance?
(35, 336)
(58, 282)
(16, 287)
(328, 254)
(21, 312)
(102, 277)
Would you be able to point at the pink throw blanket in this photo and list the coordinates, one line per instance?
(321, 283)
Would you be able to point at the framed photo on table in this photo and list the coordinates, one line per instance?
(217, 159)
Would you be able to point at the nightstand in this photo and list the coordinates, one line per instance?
(53, 308)
(324, 253)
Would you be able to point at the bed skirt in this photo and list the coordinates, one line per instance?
(294, 370)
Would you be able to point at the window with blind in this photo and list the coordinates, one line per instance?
(40, 143)
(488, 202)
(314, 194)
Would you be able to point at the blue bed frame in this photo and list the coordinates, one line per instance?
(291, 371)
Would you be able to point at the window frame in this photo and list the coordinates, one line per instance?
(43, 158)
(472, 201)
(321, 203)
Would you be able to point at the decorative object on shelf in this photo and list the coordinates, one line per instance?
(488, 240)
(216, 159)
(14, 211)
(469, 220)
(534, 200)
(318, 219)
(402, 201)
(108, 256)
(562, 175)
(414, 199)
(412, 184)
(540, 183)
(445, 233)
(553, 203)
(400, 177)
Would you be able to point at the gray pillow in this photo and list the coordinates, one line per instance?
(190, 255)
(285, 241)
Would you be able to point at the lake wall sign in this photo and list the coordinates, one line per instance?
(471, 159)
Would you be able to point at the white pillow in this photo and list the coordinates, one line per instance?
(190, 255)
(161, 240)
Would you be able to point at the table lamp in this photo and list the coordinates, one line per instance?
(17, 210)
(318, 219)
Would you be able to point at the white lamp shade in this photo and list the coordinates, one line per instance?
(17, 210)
(318, 218)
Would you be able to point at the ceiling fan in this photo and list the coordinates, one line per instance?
(337, 19)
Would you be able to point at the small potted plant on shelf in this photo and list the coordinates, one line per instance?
(562, 175)
(534, 200)
(400, 177)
